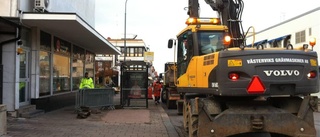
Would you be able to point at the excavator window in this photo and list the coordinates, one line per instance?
(210, 42)
(184, 51)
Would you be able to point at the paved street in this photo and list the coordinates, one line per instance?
(155, 121)
(128, 122)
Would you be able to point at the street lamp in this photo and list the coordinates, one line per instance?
(125, 32)
(122, 98)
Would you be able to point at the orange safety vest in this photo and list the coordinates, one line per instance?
(156, 89)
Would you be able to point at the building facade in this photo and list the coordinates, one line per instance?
(45, 50)
(295, 31)
(109, 65)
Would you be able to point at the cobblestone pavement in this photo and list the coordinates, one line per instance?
(127, 122)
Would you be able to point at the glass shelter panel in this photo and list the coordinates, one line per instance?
(135, 86)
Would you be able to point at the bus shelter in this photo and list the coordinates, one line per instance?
(134, 84)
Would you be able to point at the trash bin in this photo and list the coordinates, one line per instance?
(3, 119)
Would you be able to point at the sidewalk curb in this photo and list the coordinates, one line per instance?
(167, 123)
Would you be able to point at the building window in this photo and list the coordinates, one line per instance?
(44, 64)
(134, 51)
(89, 65)
(61, 66)
(122, 51)
(45, 41)
(140, 52)
(136, 67)
(77, 66)
(45, 76)
(61, 73)
(131, 52)
(128, 52)
(61, 46)
(301, 36)
(310, 31)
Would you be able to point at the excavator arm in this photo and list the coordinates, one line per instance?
(229, 12)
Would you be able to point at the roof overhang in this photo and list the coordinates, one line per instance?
(8, 27)
(70, 27)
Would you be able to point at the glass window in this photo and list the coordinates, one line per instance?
(99, 72)
(89, 65)
(61, 46)
(140, 52)
(301, 36)
(77, 73)
(131, 52)
(310, 31)
(122, 51)
(44, 82)
(77, 66)
(45, 41)
(210, 42)
(61, 73)
(182, 63)
(78, 53)
(136, 52)
(44, 63)
(23, 65)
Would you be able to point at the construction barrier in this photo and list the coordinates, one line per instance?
(95, 98)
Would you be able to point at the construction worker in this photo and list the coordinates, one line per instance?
(86, 82)
(156, 91)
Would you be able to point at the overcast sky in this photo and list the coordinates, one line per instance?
(156, 21)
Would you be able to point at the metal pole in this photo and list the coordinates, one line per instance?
(125, 32)
(122, 100)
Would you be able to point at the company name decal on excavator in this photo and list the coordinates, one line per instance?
(275, 60)
(278, 73)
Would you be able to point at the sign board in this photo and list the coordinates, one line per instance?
(148, 56)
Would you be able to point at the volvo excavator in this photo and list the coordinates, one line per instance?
(232, 90)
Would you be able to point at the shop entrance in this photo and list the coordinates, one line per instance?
(24, 92)
(134, 84)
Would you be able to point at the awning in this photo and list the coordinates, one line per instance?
(71, 27)
(258, 43)
(278, 39)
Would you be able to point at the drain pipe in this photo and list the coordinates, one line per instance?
(18, 34)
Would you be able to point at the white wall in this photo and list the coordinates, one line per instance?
(9, 61)
(84, 8)
(8, 8)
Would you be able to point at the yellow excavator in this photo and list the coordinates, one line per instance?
(232, 90)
